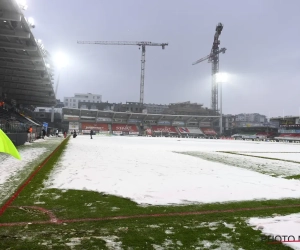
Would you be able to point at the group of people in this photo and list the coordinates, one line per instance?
(57, 133)
(43, 134)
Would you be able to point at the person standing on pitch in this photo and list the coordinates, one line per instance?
(91, 133)
(44, 133)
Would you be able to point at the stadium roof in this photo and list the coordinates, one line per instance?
(25, 66)
(285, 117)
(94, 114)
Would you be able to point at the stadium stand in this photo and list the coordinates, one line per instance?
(288, 128)
(158, 130)
(123, 129)
(288, 137)
(26, 73)
(15, 125)
(254, 133)
(140, 123)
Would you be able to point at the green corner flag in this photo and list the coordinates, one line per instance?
(6, 146)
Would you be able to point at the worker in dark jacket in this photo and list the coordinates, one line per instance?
(74, 134)
(44, 133)
(91, 133)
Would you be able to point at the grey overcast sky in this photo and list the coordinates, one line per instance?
(261, 36)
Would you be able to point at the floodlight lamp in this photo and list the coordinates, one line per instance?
(22, 4)
(30, 21)
(61, 60)
(222, 77)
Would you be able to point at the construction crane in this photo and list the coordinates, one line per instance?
(140, 44)
(213, 58)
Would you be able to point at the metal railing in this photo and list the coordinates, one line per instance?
(13, 126)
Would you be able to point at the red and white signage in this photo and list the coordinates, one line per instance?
(125, 128)
(164, 129)
(94, 126)
(117, 132)
(133, 133)
(183, 130)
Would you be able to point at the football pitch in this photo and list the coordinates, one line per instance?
(151, 193)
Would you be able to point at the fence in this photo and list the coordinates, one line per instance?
(12, 126)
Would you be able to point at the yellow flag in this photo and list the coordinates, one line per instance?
(6, 146)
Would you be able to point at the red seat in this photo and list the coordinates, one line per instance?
(208, 131)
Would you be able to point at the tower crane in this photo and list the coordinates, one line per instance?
(140, 44)
(213, 58)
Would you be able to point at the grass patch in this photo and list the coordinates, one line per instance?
(219, 230)
(293, 177)
(191, 232)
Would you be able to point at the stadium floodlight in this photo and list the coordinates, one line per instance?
(221, 78)
(60, 60)
(30, 21)
(22, 4)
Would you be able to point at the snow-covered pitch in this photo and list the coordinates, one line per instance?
(149, 171)
(280, 228)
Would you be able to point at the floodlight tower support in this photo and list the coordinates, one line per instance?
(213, 58)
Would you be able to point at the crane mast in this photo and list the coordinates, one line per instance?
(143, 59)
(213, 58)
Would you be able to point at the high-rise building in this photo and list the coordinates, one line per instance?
(254, 118)
(155, 108)
(72, 102)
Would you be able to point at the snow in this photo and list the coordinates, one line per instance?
(279, 226)
(148, 171)
(220, 245)
(14, 171)
(265, 166)
(110, 241)
(10, 165)
(169, 232)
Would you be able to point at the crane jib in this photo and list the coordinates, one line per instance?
(143, 44)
